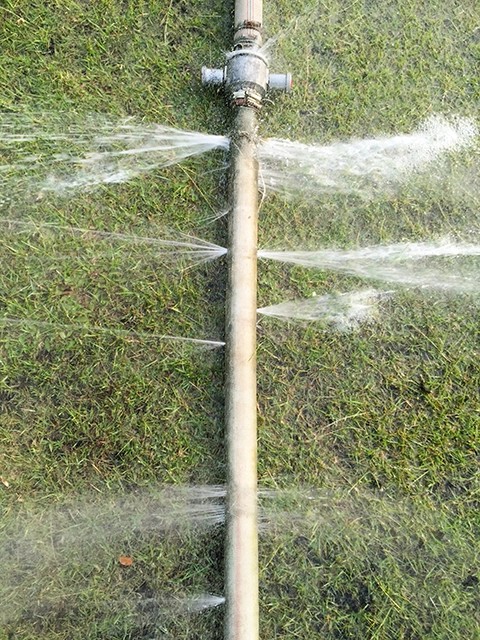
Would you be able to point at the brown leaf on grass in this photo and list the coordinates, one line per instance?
(125, 561)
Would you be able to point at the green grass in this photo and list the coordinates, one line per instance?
(382, 423)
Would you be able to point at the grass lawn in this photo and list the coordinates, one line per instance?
(368, 439)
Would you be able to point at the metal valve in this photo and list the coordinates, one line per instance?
(246, 78)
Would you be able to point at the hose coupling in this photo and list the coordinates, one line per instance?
(246, 78)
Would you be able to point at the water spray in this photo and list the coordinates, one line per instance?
(246, 79)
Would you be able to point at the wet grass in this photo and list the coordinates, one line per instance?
(383, 420)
